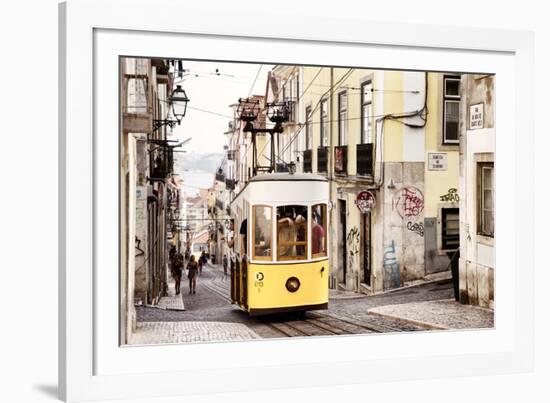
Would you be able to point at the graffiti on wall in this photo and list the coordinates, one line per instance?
(138, 247)
(451, 196)
(392, 276)
(416, 227)
(408, 202)
(352, 240)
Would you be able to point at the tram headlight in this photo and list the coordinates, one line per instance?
(292, 284)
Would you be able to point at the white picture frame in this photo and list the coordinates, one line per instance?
(92, 365)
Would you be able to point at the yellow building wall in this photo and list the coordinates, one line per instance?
(393, 103)
(438, 183)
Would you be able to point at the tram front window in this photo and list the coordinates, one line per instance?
(291, 232)
(319, 230)
(262, 232)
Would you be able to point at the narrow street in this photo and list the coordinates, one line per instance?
(210, 316)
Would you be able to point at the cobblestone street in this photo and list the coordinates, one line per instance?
(210, 317)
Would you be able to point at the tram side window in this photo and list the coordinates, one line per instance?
(291, 232)
(319, 230)
(262, 232)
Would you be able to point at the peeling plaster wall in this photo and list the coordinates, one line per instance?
(476, 266)
(403, 254)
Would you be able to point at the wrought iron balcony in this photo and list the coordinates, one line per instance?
(308, 158)
(230, 183)
(282, 167)
(231, 155)
(161, 162)
(322, 159)
(365, 160)
(341, 160)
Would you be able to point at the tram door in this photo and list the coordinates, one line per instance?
(343, 225)
(366, 246)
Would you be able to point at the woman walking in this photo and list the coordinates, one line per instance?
(192, 270)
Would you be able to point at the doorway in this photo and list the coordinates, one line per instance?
(344, 250)
(366, 247)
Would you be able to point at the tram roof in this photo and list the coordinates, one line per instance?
(285, 176)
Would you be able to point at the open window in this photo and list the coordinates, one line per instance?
(261, 236)
(291, 232)
(318, 230)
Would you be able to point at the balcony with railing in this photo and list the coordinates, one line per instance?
(230, 183)
(231, 155)
(322, 159)
(161, 162)
(308, 161)
(341, 160)
(281, 167)
(292, 110)
(365, 166)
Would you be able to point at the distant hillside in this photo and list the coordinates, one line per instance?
(207, 162)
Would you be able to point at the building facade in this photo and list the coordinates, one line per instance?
(388, 137)
(477, 183)
(146, 192)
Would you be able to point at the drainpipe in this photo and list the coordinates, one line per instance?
(330, 178)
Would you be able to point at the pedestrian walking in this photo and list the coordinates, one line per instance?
(177, 268)
(202, 261)
(225, 263)
(192, 269)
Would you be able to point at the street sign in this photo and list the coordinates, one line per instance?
(437, 161)
(476, 116)
(365, 201)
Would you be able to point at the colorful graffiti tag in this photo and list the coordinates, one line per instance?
(408, 202)
(392, 275)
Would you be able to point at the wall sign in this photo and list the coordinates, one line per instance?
(437, 161)
(476, 116)
(365, 201)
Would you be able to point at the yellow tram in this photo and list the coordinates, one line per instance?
(280, 255)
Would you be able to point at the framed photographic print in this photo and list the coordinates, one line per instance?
(266, 208)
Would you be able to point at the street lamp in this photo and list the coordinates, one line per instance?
(179, 102)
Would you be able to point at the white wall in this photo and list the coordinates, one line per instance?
(478, 141)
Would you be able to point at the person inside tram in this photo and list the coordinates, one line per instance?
(317, 233)
(290, 229)
(242, 234)
(286, 233)
(300, 223)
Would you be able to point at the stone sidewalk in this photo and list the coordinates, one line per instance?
(171, 301)
(189, 332)
(439, 314)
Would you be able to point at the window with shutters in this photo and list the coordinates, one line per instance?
(451, 107)
(485, 199)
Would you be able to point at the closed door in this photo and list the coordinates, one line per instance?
(366, 246)
(343, 225)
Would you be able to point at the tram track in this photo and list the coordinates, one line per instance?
(311, 323)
